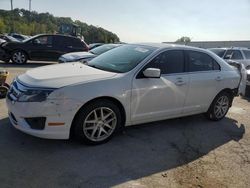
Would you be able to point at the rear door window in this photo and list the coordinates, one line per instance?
(199, 61)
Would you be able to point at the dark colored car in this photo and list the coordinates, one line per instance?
(42, 48)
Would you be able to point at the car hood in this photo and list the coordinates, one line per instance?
(60, 75)
(77, 55)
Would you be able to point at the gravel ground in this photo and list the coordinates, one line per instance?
(183, 152)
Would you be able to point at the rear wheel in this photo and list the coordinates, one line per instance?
(219, 106)
(19, 57)
(97, 122)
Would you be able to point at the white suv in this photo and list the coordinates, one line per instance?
(128, 85)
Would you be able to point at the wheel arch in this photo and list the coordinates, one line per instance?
(112, 99)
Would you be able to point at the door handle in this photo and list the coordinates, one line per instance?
(218, 78)
(49, 46)
(70, 46)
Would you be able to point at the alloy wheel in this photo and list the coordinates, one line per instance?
(100, 124)
(19, 57)
(221, 106)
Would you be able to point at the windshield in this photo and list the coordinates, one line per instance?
(217, 51)
(121, 59)
(104, 48)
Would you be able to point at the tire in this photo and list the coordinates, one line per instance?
(219, 107)
(3, 91)
(97, 122)
(19, 57)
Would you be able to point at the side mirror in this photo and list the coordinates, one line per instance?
(152, 73)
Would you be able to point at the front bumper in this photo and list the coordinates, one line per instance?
(4, 56)
(52, 111)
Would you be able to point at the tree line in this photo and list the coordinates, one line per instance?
(32, 23)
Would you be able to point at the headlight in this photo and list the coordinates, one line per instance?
(34, 95)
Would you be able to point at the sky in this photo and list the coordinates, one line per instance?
(154, 20)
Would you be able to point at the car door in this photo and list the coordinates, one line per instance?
(205, 81)
(41, 48)
(160, 98)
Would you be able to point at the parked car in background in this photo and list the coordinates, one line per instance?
(42, 47)
(86, 56)
(8, 38)
(239, 58)
(243, 72)
(238, 54)
(128, 85)
(19, 37)
(94, 45)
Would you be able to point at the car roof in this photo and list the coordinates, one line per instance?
(55, 35)
(232, 48)
(167, 45)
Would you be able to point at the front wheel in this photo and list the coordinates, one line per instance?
(219, 107)
(19, 57)
(97, 122)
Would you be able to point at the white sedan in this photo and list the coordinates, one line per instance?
(129, 85)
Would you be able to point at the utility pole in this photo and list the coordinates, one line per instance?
(11, 5)
(30, 5)
(12, 24)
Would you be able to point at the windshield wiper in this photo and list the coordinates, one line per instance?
(104, 69)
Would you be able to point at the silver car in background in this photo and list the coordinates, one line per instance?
(86, 56)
